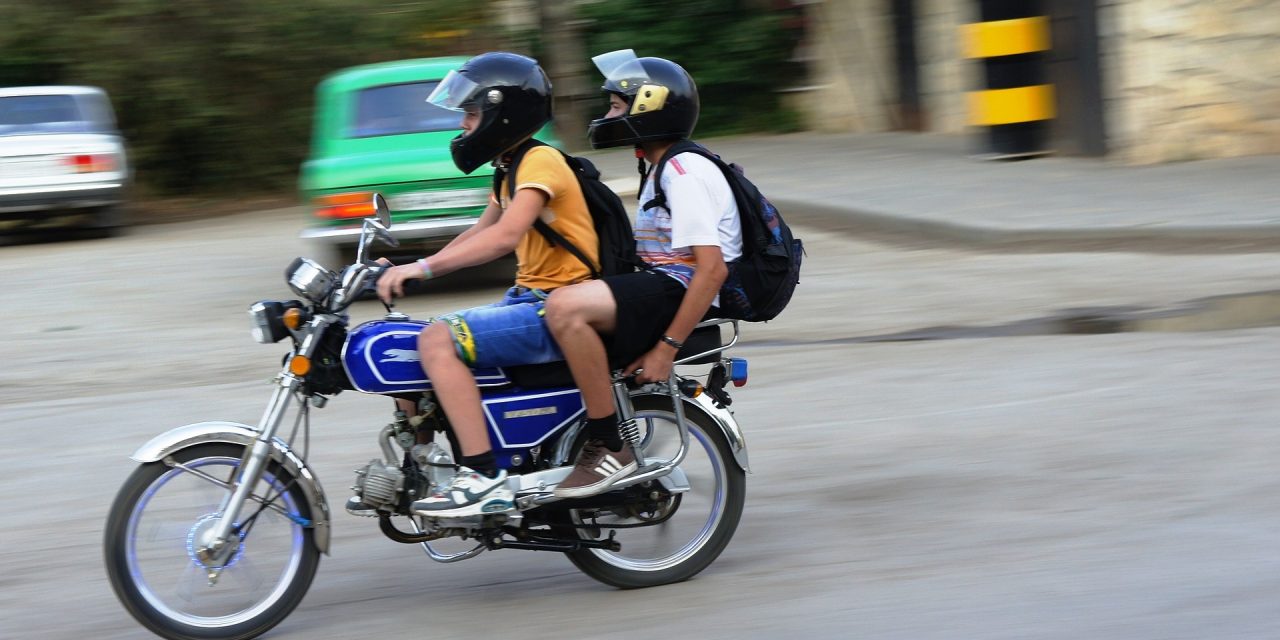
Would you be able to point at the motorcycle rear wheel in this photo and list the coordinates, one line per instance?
(148, 544)
(700, 523)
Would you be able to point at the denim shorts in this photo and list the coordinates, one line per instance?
(505, 333)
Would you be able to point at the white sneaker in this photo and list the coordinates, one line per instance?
(469, 494)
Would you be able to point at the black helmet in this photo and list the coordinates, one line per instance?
(662, 95)
(514, 98)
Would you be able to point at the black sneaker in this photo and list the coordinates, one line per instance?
(357, 507)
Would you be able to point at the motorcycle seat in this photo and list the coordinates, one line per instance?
(556, 374)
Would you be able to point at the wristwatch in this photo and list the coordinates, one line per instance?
(673, 342)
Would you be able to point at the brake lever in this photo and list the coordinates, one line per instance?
(376, 269)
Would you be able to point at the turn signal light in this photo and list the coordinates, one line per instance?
(345, 205)
(300, 365)
(293, 318)
(690, 388)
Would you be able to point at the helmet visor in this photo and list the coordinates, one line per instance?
(454, 92)
(622, 71)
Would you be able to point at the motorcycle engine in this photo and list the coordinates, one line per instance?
(379, 485)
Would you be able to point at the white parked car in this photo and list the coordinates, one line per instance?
(62, 160)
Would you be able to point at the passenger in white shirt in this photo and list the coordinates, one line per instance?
(640, 320)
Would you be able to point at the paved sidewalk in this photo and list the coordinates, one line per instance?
(927, 187)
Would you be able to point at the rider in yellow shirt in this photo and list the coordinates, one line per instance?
(506, 98)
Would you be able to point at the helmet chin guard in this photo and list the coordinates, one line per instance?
(662, 96)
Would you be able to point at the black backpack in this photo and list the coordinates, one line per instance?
(761, 281)
(617, 249)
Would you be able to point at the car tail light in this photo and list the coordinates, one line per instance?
(345, 205)
(92, 162)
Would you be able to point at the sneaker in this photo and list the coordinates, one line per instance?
(596, 469)
(468, 494)
(358, 507)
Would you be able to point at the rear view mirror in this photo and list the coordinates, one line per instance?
(383, 210)
(376, 228)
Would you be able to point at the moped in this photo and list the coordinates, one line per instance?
(219, 530)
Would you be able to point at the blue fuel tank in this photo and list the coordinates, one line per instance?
(381, 356)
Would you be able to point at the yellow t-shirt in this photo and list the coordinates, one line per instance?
(540, 265)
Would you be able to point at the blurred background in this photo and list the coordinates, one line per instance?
(217, 97)
(1010, 400)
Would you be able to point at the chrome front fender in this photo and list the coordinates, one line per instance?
(190, 435)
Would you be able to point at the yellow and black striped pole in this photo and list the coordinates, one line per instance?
(1015, 108)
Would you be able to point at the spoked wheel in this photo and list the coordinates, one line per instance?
(671, 537)
(157, 522)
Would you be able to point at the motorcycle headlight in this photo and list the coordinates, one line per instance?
(309, 280)
(268, 319)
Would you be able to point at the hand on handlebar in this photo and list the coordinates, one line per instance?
(391, 282)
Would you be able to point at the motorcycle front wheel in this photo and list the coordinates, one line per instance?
(154, 528)
(685, 532)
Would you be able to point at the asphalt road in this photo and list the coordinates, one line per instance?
(987, 484)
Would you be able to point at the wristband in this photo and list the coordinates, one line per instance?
(426, 270)
(673, 342)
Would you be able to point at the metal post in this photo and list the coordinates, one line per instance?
(1012, 40)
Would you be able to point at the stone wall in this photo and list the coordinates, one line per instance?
(1189, 79)
(850, 56)
(1182, 79)
(945, 76)
(851, 65)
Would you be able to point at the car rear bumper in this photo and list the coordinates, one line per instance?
(429, 229)
(69, 196)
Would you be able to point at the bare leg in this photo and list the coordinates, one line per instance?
(455, 388)
(576, 316)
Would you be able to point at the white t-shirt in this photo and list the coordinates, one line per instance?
(706, 214)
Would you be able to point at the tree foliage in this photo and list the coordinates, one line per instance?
(213, 96)
(737, 51)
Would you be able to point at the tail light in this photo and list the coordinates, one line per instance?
(92, 162)
(345, 205)
(738, 371)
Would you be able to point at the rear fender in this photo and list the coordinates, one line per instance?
(191, 435)
(723, 418)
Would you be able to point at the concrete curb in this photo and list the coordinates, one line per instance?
(893, 228)
(1217, 313)
(901, 229)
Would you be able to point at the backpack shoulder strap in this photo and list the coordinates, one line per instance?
(751, 224)
(516, 157)
(552, 236)
(681, 146)
(555, 238)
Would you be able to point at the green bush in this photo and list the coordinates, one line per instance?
(737, 51)
(216, 97)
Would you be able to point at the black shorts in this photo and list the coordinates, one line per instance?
(646, 301)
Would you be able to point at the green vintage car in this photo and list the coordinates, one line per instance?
(374, 131)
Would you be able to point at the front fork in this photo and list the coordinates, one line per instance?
(255, 461)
